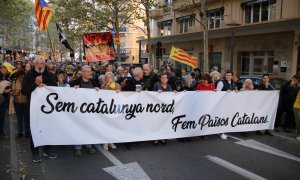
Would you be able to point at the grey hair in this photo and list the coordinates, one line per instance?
(136, 71)
(85, 67)
(148, 65)
(39, 59)
(109, 74)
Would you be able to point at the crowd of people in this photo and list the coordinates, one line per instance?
(20, 82)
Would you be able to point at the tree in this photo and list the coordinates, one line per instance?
(200, 8)
(114, 13)
(17, 23)
(144, 15)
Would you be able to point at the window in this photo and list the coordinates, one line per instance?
(215, 17)
(165, 28)
(256, 63)
(185, 22)
(259, 10)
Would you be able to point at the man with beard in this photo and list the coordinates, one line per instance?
(149, 78)
(39, 76)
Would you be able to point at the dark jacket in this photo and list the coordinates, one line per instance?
(288, 95)
(78, 82)
(264, 88)
(29, 85)
(227, 86)
(131, 83)
(238, 85)
(1, 98)
(149, 81)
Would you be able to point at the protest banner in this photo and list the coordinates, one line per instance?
(98, 46)
(66, 116)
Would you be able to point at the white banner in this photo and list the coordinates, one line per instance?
(68, 116)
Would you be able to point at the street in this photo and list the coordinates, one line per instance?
(238, 157)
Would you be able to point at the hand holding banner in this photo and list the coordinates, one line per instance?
(67, 116)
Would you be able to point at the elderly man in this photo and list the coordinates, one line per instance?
(4, 74)
(135, 83)
(85, 81)
(39, 76)
(149, 78)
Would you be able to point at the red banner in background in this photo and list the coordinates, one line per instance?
(98, 46)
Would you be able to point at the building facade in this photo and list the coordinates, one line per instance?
(250, 37)
(129, 45)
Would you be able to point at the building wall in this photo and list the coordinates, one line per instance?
(284, 44)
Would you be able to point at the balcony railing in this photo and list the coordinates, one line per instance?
(183, 4)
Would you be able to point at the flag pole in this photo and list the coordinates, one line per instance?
(50, 44)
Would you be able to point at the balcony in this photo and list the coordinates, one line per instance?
(156, 13)
(183, 4)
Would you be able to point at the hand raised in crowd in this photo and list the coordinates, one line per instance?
(3, 85)
(38, 80)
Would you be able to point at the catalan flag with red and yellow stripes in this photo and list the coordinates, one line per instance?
(117, 39)
(183, 57)
(43, 14)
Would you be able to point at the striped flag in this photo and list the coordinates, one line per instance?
(43, 54)
(43, 14)
(183, 57)
(116, 36)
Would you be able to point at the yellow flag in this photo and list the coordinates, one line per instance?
(183, 57)
(43, 54)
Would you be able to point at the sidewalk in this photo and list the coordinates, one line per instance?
(5, 154)
(16, 161)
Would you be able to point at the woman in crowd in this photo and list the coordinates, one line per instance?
(207, 84)
(27, 67)
(110, 84)
(62, 80)
(237, 83)
(248, 85)
(162, 86)
(20, 104)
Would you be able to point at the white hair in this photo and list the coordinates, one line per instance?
(136, 71)
(39, 59)
(248, 80)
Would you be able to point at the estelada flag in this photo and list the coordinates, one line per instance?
(43, 14)
(43, 54)
(117, 39)
(183, 57)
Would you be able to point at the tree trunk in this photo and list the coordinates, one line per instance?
(205, 36)
(117, 28)
(150, 60)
